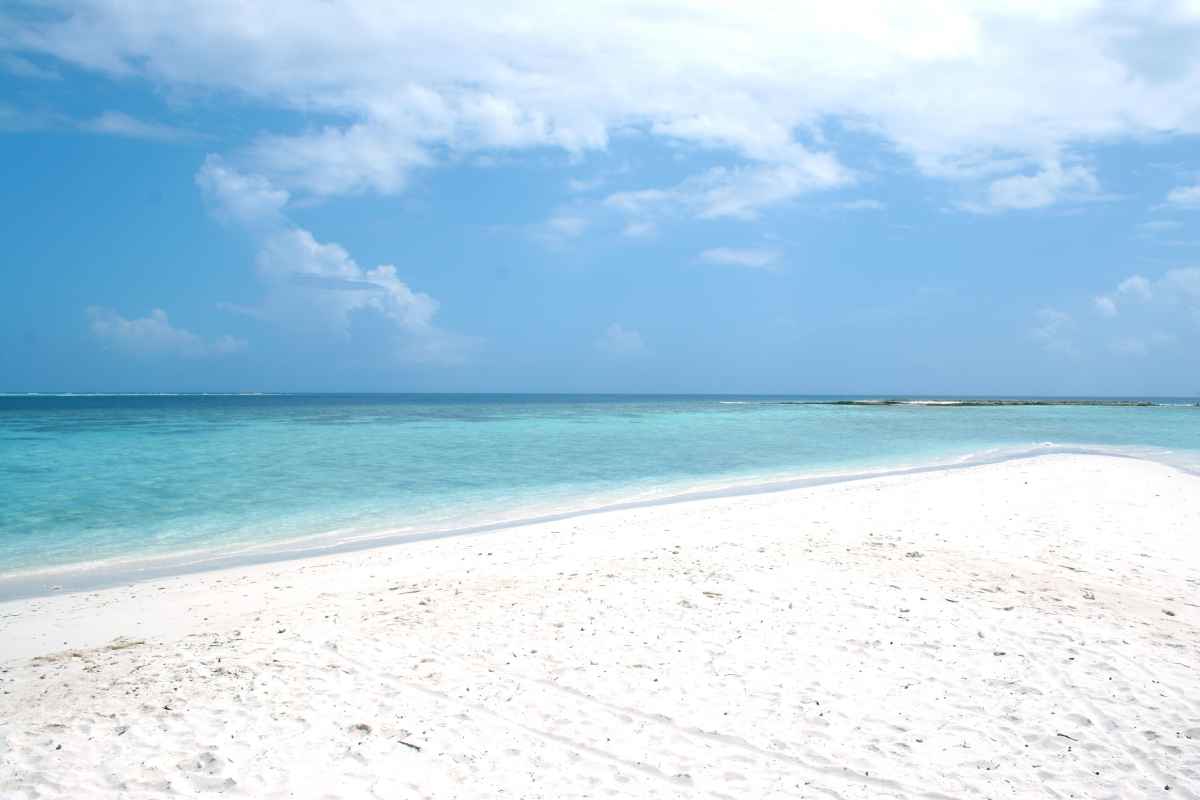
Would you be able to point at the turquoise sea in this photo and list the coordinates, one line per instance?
(96, 485)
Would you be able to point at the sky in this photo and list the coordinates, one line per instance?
(611, 196)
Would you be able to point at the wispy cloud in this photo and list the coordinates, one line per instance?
(1053, 328)
(1140, 346)
(1105, 305)
(107, 123)
(865, 204)
(1157, 227)
(736, 193)
(14, 119)
(621, 342)
(116, 123)
(749, 258)
(20, 67)
(639, 230)
(557, 230)
(154, 335)
(1185, 197)
(565, 226)
(584, 185)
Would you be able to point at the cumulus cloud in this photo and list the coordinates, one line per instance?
(318, 287)
(1187, 197)
(1134, 288)
(341, 160)
(1177, 287)
(621, 342)
(748, 258)
(1049, 185)
(997, 91)
(1141, 316)
(153, 335)
(239, 198)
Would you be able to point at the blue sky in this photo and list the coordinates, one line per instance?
(989, 198)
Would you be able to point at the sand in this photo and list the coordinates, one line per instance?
(1026, 629)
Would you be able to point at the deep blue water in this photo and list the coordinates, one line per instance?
(95, 478)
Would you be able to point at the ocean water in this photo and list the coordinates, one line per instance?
(116, 482)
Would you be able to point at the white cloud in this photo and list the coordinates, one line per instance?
(738, 257)
(1157, 226)
(1141, 316)
(738, 193)
(566, 226)
(20, 120)
(24, 68)
(1105, 305)
(1130, 346)
(1051, 322)
(640, 202)
(341, 160)
(556, 230)
(116, 123)
(317, 287)
(1137, 287)
(1051, 184)
(1052, 330)
(108, 123)
(153, 335)
(1184, 196)
(584, 185)
(965, 90)
(639, 230)
(1140, 346)
(1182, 285)
(862, 205)
(741, 193)
(619, 341)
(239, 198)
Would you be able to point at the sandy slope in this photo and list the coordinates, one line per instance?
(1030, 629)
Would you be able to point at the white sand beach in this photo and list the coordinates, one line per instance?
(1025, 629)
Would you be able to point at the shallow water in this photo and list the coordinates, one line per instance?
(109, 479)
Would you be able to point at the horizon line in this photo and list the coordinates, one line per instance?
(536, 393)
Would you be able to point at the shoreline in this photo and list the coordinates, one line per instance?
(1026, 628)
(92, 576)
